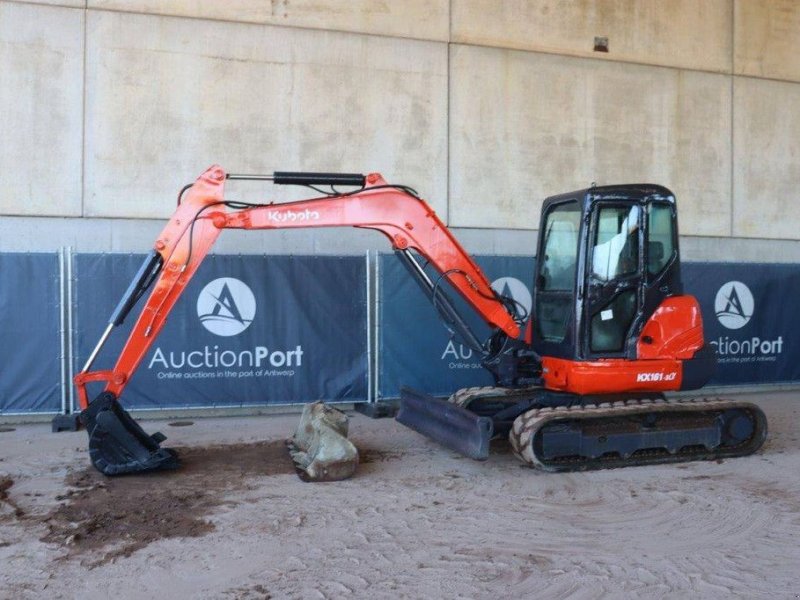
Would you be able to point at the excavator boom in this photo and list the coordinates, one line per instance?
(118, 444)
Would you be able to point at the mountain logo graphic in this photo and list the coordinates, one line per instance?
(514, 288)
(226, 306)
(734, 305)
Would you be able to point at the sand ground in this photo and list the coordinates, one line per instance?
(417, 521)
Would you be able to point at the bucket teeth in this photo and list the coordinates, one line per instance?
(118, 444)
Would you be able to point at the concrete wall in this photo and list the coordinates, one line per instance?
(567, 122)
(485, 106)
(676, 33)
(166, 97)
(41, 103)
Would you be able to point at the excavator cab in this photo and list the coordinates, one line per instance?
(607, 258)
(610, 315)
(611, 331)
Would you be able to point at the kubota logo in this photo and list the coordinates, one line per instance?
(226, 306)
(734, 305)
(291, 216)
(514, 288)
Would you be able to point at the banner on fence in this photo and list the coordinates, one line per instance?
(747, 310)
(248, 330)
(749, 317)
(253, 330)
(415, 349)
(30, 324)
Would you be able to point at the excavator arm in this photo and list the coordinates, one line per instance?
(117, 443)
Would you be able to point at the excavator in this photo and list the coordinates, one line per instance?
(579, 383)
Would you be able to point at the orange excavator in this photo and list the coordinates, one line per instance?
(579, 384)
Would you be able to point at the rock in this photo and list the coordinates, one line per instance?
(320, 448)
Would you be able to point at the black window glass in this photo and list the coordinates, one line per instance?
(610, 325)
(616, 243)
(661, 240)
(557, 267)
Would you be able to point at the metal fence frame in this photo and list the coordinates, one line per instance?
(73, 328)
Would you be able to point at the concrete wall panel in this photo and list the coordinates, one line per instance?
(166, 97)
(767, 38)
(421, 19)
(678, 33)
(67, 3)
(525, 126)
(766, 158)
(41, 96)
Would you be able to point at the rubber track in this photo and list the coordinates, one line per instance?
(465, 396)
(523, 432)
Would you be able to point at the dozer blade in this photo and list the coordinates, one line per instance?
(118, 445)
(448, 424)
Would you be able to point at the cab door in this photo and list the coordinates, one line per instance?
(614, 281)
(555, 282)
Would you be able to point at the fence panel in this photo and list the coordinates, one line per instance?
(30, 325)
(248, 330)
(749, 316)
(415, 348)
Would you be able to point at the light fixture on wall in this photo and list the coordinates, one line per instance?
(600, 44)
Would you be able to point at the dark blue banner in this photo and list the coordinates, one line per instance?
(279, 330)
(749, 317)
(248, 330)
(30, 353)
(415, 349)
(745, 314)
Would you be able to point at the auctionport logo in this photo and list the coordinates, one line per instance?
(734, 305)
(514, 288)
(226, 306)
(462, 357)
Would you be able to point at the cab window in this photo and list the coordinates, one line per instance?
(661, 240)
(560, 248)
(615, 251)
(558, 264)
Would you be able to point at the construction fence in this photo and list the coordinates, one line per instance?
(272, 330)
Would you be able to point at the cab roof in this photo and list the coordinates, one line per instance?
(635, 192)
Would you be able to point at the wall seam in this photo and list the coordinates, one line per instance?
(448, 219)
(259, 24)
(617, 61)
(733, 121)
(53, 5)
(448, 40)
(83, 110)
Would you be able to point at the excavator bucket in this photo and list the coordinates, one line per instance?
(448, 424)
(320, 448)
(118, 445)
